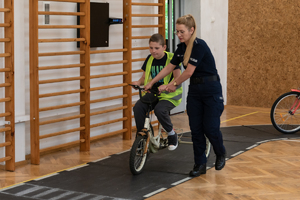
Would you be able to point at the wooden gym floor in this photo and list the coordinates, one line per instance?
(268, 171)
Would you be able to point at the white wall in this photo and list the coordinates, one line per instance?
(212, 25)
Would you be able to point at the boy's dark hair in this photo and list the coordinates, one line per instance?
(157, 38)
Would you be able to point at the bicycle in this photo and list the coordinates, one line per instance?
(145, 141)
(285, 112)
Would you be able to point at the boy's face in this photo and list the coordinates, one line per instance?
(157, 50)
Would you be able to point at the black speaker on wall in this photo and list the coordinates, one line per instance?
(100, 22)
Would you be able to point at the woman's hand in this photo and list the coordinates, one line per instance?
(162, 88)
(171, 87)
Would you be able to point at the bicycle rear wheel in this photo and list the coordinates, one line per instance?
(137, 158)
(285, 113)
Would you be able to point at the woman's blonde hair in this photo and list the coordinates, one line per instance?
(189, 22)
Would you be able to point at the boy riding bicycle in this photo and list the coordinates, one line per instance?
(154, 63)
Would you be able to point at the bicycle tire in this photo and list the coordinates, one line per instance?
(282, 117)
(137, 158)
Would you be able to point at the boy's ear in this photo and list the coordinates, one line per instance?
(165, 47)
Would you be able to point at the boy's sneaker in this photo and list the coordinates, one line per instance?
(173, 142)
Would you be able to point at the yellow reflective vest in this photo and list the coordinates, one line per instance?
(173, 97)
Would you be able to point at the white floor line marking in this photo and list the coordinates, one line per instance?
(77, 167)
(237, 153)
(279, 139)
(293, 140)
(181, 181)
(263, 141)
(255, 145)
(45, 193)
(101, 159)
(155, 192)
(43, 177)
(29, 190)
(7, 188)
(123, 152)
(67, 193)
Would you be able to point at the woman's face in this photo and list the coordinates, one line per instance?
(183, 33)
(157, 50)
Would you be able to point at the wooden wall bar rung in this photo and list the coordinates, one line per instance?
(5, 159)
(61, 66)
(108, 134)
(5, 99)
(137, 71)
(109, 98)
(135, 93)
(5, 129)
(147, 15)
(5, 144)
(62, 106)
(5, 69)
(61, 53)
(108, 86)
(5, 54)
(61, 13)
(61, 146)
(4, 39)
(62, 80)
(147, 26)
(146, 4)
(4, 25)
(60, 26)
(5, 114)
(138, 59)
(70, 1)
(61, 132)
(4, 10)
(140, 48)
(109, 63)
(108, 75)
(109, 122)
(61, 93)
(62, 40)
(5, 84)
(108, 51)
(108, 110)
(62, 119)
(140, 37)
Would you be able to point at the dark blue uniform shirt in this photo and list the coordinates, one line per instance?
(201, 57)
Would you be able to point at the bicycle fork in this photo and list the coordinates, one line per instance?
(146, 132)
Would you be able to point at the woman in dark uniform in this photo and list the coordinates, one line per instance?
(205, 100)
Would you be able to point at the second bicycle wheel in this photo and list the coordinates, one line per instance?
(285, 113)
(137, 158)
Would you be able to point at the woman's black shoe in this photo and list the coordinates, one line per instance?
(220, 162)
(198, 169)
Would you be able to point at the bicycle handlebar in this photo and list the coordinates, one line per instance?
(155, 92)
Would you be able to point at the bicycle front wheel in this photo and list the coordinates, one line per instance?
(285, 113)
(137, 158)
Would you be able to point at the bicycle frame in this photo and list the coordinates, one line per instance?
(296, 104)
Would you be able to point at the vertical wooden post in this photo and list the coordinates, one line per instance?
(161, 20)
(85, 71)
(127, 55)
(9, 91)
(34, 88)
